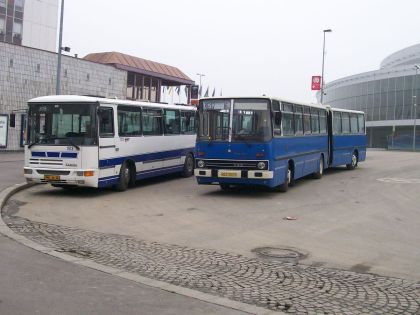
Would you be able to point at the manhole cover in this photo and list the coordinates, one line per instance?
(400, 180)
(282, 253)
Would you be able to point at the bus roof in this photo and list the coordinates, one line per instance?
(90, 99)
(321, 106)
(267, 98)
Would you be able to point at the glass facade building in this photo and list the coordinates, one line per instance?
(388, 96)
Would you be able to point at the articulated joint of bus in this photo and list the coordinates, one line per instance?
(233, 169)
(70, 177)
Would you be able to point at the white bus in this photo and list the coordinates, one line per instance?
(99, 142)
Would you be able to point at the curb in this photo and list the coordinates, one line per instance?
(205, 297)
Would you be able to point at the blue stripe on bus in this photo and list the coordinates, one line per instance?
(38, 154)
(68, 155)
(156, 156)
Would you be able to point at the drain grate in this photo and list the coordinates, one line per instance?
(280, 253)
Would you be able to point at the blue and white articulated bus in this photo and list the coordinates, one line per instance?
(272, 142)
(99, 142)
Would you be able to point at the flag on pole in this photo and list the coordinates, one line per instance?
(214, 92)
(207, 92)
(200, 91)
(186, 91)
(170, 90)
(178, 89)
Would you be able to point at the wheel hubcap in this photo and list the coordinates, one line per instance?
(289, 176)
(321, 166)
(353, 160)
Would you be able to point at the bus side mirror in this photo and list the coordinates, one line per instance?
(277, 118)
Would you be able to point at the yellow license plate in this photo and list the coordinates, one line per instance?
(52, 177)
(228, 174)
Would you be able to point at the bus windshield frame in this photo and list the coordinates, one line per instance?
(62, 124)
(235, 120)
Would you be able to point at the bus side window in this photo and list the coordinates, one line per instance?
(287, 120)
(129, 121)
(106, 122)
(188, 125)
(298, 120)
(322, 121)
(172, 122)
(353, 124)
(361, 119)
(306, 120)
(315, 120)
(276, 118)
(336, 123)
(152, 122)
(345, 122)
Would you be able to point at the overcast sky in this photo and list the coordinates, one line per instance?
(247, 47)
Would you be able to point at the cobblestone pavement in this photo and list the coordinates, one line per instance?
(291, 288)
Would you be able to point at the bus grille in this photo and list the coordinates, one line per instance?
(52, 172)
(233, 164)
(46, 162)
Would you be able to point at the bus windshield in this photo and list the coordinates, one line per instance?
(62, 124)
(250, 120)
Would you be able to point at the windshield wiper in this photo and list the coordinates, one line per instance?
(34, 143)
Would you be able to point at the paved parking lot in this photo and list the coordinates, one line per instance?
(355, 238)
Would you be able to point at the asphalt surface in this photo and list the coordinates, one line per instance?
(35, 283)
(364, 220)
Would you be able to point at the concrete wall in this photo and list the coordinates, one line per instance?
(40, 22)
(26, 73)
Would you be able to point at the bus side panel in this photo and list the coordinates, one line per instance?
(345, 145)
(303, 151)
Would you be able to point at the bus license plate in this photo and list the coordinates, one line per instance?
(228, 174)
(52, 177)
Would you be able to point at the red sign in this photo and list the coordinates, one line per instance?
(316, 83)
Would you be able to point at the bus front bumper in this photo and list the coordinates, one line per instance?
(222, 174)
(70, 177)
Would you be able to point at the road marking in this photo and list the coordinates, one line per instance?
(400, 180)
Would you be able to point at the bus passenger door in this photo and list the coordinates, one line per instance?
(108, 150)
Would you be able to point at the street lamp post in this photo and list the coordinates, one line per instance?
(323, 59)
(60, 43)
(415, 108)
(200, 75)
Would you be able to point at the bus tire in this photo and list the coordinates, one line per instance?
(225, 186)
(318, 174)
(188, 170)
(287, 181)
(354, 161)
(124, 178)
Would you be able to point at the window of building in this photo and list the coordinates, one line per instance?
(306, 120)
(130, 86)
(172, 122)
(129, 121)
(315, 120)
(336, 123)
(106, 122)
(17, 28)
(188, 123)
(322, 121)
(3, 3)
(287, 120)
(345, 122)
(146, 88)
(19, 5)
(2, 25)
(353, 124)
(298, 119)
(152, 122)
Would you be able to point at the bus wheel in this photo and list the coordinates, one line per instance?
(225, 186)
(287, 181)
(320, 172)
(124, 178)
(188, 166)
(354, 161)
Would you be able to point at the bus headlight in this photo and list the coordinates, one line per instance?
(201, 163)
(27, 171)
(261, 165)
